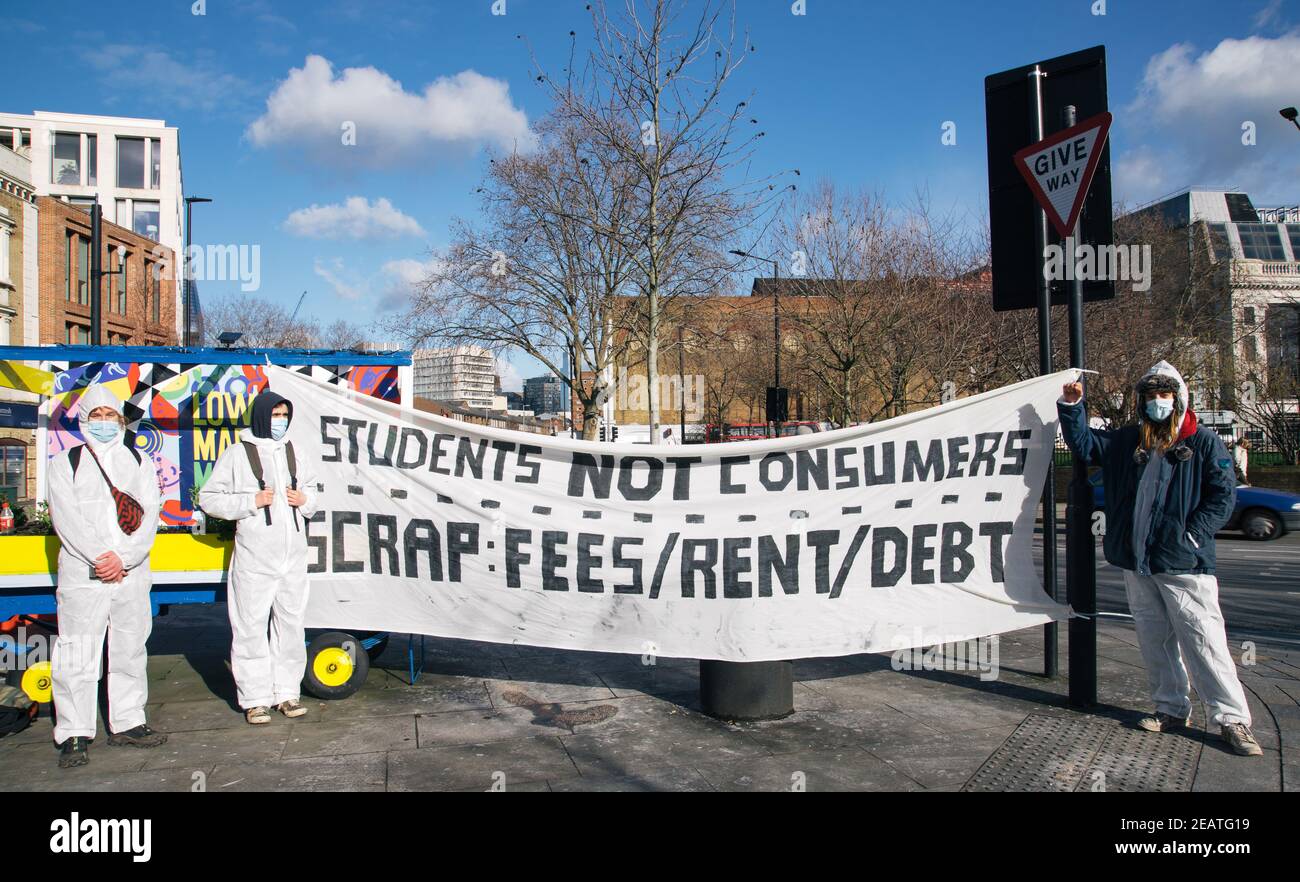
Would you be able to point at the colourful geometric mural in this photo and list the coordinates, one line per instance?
(184, 416)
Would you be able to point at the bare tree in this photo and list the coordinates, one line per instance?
(1180, 318)
(547, 272)
(651, 92)
(1266, 380)
(265, 324)
(880, 318)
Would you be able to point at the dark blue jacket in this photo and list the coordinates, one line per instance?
(1196, 496)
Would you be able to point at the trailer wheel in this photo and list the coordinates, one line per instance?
(36, 681)
(336, 666)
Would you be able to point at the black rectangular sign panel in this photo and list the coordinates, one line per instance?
(1079, 79)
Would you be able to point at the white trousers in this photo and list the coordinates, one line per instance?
(88, 613)
(1180, 631)
(268, 655)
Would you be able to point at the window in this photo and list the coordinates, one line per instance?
(77, 269)
(92, 160)
(79, 334)
(130, 162)
(117, 281)
(1248, 314)
(1251, 346)
(16, 139)
(154, 282)
(65, 159)
(13, 469)
(6, 231)
(1261, 242)
(145, 219)
(1293, 233)
(155, 164)
(85, 203)
(1219, 241)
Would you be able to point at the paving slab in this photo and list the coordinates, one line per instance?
(340, 737)
(835, 770)
(481, 766)
(353, 772)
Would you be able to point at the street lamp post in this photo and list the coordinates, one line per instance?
(1290, 113)
(97, 272)
(751, 690)
(776, 415)
(186, 336)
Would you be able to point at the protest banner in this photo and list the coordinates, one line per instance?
(913, 531)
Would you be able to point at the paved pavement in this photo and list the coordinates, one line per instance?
(522, 718)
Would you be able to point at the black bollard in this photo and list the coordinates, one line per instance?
(747, 690)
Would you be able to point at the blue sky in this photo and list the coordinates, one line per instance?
(855, 91)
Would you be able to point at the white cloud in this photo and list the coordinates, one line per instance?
(1185, 126)
(314, 109)
(402, 278)
(354, 218)
(339, 280)
(195, 83)
(1268, 15)
(511, 379)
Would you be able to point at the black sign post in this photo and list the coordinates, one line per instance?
(1020, 239)
(1080, 550)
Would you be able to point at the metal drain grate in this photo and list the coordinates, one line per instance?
(1062, 753)
(1131, 761)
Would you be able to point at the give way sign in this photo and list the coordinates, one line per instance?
(1059, 169)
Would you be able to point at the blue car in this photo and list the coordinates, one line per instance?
(1260, 514)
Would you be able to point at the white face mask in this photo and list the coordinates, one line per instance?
(104, 431)
(1159, 409)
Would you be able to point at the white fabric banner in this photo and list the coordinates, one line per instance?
(910, 532)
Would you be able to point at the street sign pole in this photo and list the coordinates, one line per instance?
(1080, 548)
(1050, 661)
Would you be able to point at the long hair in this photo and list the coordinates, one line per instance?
(1159, 437)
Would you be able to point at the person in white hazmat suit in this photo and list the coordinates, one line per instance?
(269, 491)
(104, 502)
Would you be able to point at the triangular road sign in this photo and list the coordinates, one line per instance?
(1059, 169)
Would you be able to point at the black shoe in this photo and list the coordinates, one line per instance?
(140, 736)
(72, 752)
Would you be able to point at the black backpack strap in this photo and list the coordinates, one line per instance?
(74, 457)
(293, 476)
(255, 463)
(293, 464)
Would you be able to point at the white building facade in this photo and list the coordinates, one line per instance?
(131, 167)
(460, 374)
(1258, 249)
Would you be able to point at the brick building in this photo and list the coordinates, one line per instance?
(18, 321)
(138, 306)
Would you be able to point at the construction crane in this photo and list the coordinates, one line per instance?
(298, 307)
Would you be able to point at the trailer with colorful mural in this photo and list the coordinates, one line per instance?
(183, 408)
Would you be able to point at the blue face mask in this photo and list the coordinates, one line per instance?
(279, 425)
(103, 431)
(1159, 409)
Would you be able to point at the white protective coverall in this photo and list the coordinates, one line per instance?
(268, 572)
(85, 519)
